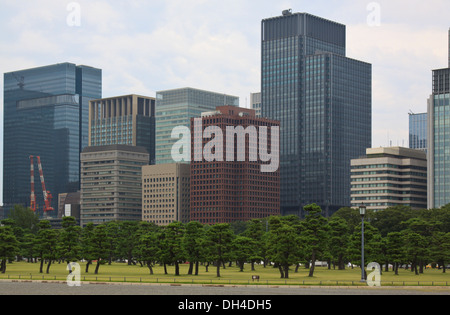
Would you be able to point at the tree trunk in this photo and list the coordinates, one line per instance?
(87, 265)
(286, 271)
(48, 266)
(218, 269)
(313, 264)
(98, 266)
(191, 267)
(41, 266)
(177, 269)
(196, 268)
(281, 271)
(149, 265)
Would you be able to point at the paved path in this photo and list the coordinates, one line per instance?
(61, 288)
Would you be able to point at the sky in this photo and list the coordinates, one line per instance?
(147, 46)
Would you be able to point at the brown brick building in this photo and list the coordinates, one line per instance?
(227, 187)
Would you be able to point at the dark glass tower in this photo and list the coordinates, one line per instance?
(438, 138)
(46, 114)
(323, 101)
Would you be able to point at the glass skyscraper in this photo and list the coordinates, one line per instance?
(418, 131)
(127, 119)
(323, 101)
(439, 139)
(176, 108)
(46, 114)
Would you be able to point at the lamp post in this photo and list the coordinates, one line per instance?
(362, 212)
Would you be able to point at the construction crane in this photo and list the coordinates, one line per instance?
(32, 196)
(47, 195)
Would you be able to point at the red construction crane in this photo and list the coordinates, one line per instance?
(47, 195)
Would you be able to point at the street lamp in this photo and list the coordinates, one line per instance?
(362, 212)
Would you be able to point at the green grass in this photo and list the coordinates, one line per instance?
(121, 272)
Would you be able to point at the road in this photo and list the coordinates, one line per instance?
(48, 288)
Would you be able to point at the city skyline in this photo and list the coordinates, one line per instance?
(215, 46)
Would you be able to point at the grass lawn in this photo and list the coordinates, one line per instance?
(121, 272)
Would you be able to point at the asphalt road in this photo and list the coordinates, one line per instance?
(48, 288)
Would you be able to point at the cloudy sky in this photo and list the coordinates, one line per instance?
(146, 46)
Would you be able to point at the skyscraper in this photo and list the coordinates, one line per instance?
(46, 115)
(128, 119)
(111, 183)
(176, 108)
(231, 187)
(324, 104)
(418, 131)
(438, 139)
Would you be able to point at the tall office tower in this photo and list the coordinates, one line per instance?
(388, 177)
(128, 119)
(165, 193)
(418, 131)
(46, 114)
(111, 178)
(438, 139)
(232, 187)
(255, 103)
(323, 101)
(176, 108)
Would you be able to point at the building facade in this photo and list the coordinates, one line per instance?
(128, 119)
(228, 187)
(111, 183)
(438, 139)
(175, 108)
(255, 103)
(388, 177)
(418, 131)
(324, 104)
(46, 115)
(165, 193)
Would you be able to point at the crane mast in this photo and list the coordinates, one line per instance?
(47, 195)
(32, 196)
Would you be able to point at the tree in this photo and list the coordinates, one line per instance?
(112, 232)
(86, 244)
(390, 219)
(148, 247)
(46, 244)
(9, 246)
(415, 248)
(219, 239)
(395, 251)
(173, 244)
(314, 234)
(338, 235)
(69, 247)
(126, 240)
(193, 242)
(24, 218)
(100, 245)
(283, 245)
(440, 249)
(256, 231)
(243, 249)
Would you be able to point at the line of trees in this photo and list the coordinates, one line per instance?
(396, 236)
